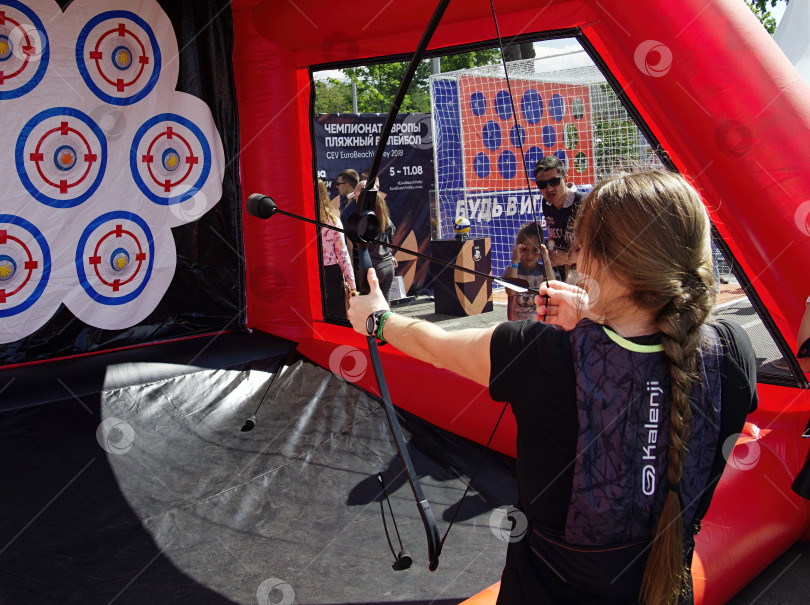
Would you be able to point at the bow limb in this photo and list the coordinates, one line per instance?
(363, 219)
(428, 520)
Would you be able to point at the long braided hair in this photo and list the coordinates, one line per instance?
(650, 231)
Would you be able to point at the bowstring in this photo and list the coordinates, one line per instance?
(518, 128)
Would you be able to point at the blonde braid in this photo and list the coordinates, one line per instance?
(679, 322)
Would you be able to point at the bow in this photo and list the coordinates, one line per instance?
(363, 227)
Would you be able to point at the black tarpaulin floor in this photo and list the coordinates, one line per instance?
(130, 481)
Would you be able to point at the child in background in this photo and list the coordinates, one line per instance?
(526, 265)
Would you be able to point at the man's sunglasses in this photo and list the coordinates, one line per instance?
(339, 183)
(553, 182)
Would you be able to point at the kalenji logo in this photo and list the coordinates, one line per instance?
(648, 480)
(653, 58)
(654, 392)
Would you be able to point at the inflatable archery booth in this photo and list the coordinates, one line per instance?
(180, 418)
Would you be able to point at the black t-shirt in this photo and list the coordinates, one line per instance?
(532, 368)
(560, 222)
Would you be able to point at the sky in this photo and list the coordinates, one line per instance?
(777, 12)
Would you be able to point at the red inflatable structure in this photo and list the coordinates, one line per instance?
(726, 106)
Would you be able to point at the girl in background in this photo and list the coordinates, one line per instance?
(337, 265)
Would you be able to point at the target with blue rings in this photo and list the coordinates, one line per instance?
(507, 164)
(170, 159)
(118, 57)
(25, 264)
(24, 49)
(115, 257)
(531, 106)
(61, 157)
(478, 103)
(481, 165)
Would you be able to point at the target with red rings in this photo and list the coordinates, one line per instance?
(118, 57)
(170, 159)
(61, 156)
(24, 49)
(115, 257)
(25, 264)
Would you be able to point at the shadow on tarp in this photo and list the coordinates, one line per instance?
(149, 492)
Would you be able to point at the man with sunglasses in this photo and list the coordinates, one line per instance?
(560, 205)
(346, 181)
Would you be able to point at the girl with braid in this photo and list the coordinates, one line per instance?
(624, 397)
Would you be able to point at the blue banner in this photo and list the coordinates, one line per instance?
(344, 141)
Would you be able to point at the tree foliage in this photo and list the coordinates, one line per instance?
(761, 9)
(377, 84)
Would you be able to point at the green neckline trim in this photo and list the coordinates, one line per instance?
(630, 345)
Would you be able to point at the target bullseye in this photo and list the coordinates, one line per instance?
(7, 267)
(122, 58)
(118, 57)
(6, 48)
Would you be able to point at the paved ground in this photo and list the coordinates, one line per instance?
(787, 580)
